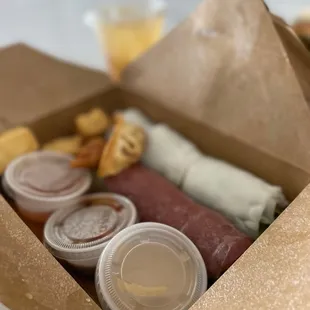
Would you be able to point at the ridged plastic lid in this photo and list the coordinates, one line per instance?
(46, 176)
(150, 266)
(82, 231)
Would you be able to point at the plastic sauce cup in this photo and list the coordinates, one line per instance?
(79, 234)
(150, 266)
(43, 182)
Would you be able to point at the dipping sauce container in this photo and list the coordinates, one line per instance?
(150, 266)
(42, 182)
(78, 234)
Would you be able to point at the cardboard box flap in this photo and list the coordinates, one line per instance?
(297, 53)
(33, 85)
(226, 66)
(33, 277)
(274, 272)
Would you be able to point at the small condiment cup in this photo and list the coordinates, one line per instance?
(79, 234)
(150, 266)
(43, 182)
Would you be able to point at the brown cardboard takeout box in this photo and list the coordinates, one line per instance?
(223, 79)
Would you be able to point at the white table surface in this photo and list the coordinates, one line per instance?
(56, 26)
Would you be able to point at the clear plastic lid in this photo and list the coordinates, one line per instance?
(150, 266)
(82, 231)
(46, 175)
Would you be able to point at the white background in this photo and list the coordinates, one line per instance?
(56, 26)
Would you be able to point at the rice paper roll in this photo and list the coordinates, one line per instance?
(242, 197)
(136, 117)
(239, 195)
(169, 153)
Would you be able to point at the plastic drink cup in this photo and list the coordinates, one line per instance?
(126, 29)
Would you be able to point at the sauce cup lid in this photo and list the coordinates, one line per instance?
(82, 231)
(150, 266)
(46, 176)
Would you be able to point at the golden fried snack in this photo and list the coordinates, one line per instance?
(89, 155)
(125, 147)
(93, 123)
(16, 142)
(69, 145)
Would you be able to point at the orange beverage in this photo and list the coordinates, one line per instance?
(128, 30)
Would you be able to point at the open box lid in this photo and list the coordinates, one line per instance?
(33, 85)
(226, 66)
(30, 276)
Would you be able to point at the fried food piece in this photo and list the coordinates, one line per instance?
(93, 123)
(69, 145)
(124, 148)
(16, 142)
(89, 155)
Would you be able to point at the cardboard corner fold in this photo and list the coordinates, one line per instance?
(29, 274)
(33, 85)
(226, 66)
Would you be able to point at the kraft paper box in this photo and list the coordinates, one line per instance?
(232, 79)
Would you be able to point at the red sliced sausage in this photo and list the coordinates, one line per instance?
(158, 200)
